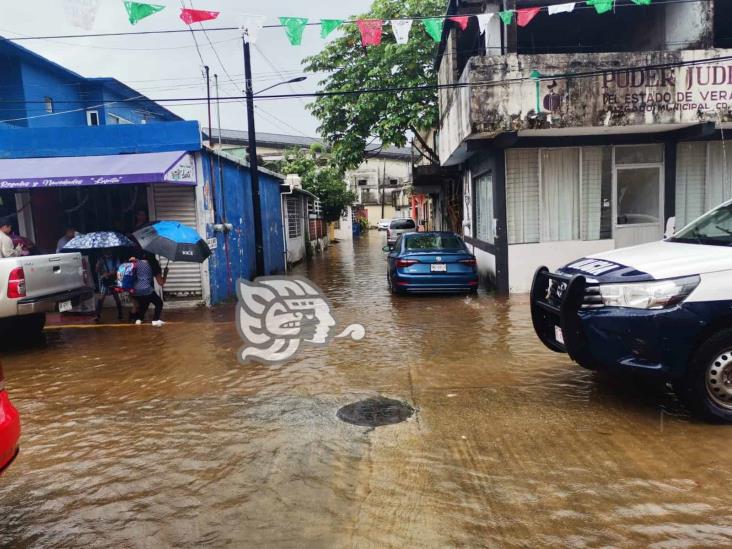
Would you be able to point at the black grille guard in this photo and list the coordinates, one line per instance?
(548, 310)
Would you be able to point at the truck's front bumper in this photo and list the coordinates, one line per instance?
(654, 341)
(47, 303)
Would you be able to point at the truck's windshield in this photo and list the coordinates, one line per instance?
(715, 229)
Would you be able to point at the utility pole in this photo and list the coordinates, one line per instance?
(253, 161)
(210, 130)
(383, 183)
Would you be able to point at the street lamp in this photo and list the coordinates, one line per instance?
(293, 81)
(253, 161)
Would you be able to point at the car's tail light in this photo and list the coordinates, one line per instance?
(388, 233)
(16, 283)
(470, 261)
(406, 262)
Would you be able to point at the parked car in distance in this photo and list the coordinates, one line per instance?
(34, 285)
(398, 227)
(9, 427)
(383, 224)
(431, 262)
(661, 309)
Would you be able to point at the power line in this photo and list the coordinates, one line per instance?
(428, 87)
(628, 4)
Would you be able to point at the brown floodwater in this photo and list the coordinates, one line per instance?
(145, 437)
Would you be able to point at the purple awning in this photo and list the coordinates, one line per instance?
(76, 171)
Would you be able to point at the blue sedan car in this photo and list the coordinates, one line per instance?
(431, 262)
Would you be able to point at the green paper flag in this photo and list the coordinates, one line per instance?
(642, 2)
(329, 25)
(433, 26)
(294, 26)
(506, 16)
(137, 11)
(601, 6)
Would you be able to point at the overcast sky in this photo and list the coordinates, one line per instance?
(163, 66)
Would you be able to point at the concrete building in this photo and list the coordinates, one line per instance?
(93, 154)
(583, 132)
(385, 177)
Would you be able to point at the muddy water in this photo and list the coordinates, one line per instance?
(142, 437)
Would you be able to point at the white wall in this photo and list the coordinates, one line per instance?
(686, 24)
(295, 249)
(486, 263)
(345, 232)
(524, 259)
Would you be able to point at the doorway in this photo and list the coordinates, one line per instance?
(638, 189)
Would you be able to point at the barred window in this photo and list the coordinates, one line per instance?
(294, 216)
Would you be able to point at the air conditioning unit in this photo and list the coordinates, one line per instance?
(293, 181)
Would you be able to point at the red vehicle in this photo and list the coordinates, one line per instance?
(9, 427)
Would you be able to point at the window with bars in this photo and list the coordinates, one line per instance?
(294, 216)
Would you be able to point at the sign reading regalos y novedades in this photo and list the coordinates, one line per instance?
(705, 87)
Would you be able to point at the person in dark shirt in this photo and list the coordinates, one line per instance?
(148, 272)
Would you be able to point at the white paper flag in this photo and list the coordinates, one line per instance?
(483, 20)
(401, 28)
(561, 8)
(250, 25)
(81, 13)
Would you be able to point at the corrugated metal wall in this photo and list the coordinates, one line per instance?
(234, 199)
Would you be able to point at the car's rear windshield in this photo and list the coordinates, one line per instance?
(433, 242)
(402, 224)
(714, 229)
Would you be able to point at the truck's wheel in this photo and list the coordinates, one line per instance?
(707, 387)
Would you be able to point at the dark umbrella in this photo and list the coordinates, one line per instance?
(174, 241)
(98, 241)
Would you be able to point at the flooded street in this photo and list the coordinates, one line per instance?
(143, 437)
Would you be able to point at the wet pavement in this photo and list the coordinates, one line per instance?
(146, 437)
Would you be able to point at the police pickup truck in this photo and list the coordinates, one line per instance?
(663, 308)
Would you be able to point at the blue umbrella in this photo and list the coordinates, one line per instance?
(98, 240)
(173, 240)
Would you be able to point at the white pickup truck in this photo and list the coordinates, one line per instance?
(31, 286)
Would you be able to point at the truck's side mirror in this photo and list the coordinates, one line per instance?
(387, 249)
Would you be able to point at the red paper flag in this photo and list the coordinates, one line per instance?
(461, 20)
(525, 15)
(197, 16)
(371, 30)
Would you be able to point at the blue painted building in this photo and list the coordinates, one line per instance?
(94, 154)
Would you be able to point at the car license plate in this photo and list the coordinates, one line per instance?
(65, 306)
(438, 268)
(558, 335)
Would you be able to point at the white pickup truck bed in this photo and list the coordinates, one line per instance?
(34, 285)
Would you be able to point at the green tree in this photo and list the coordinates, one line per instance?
(350, 122)
(321, 178)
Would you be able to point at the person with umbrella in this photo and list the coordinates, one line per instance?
(106, 266)
(106, 270)
(173, 241)
(147, 273)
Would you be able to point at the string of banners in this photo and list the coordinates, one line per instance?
(83, 12)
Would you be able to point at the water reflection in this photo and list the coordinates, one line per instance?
(142, 437)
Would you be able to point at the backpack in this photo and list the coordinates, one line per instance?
(126, 276)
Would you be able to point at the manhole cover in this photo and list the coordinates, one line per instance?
(375, 412)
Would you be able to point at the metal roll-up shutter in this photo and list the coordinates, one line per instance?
(178, 203)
